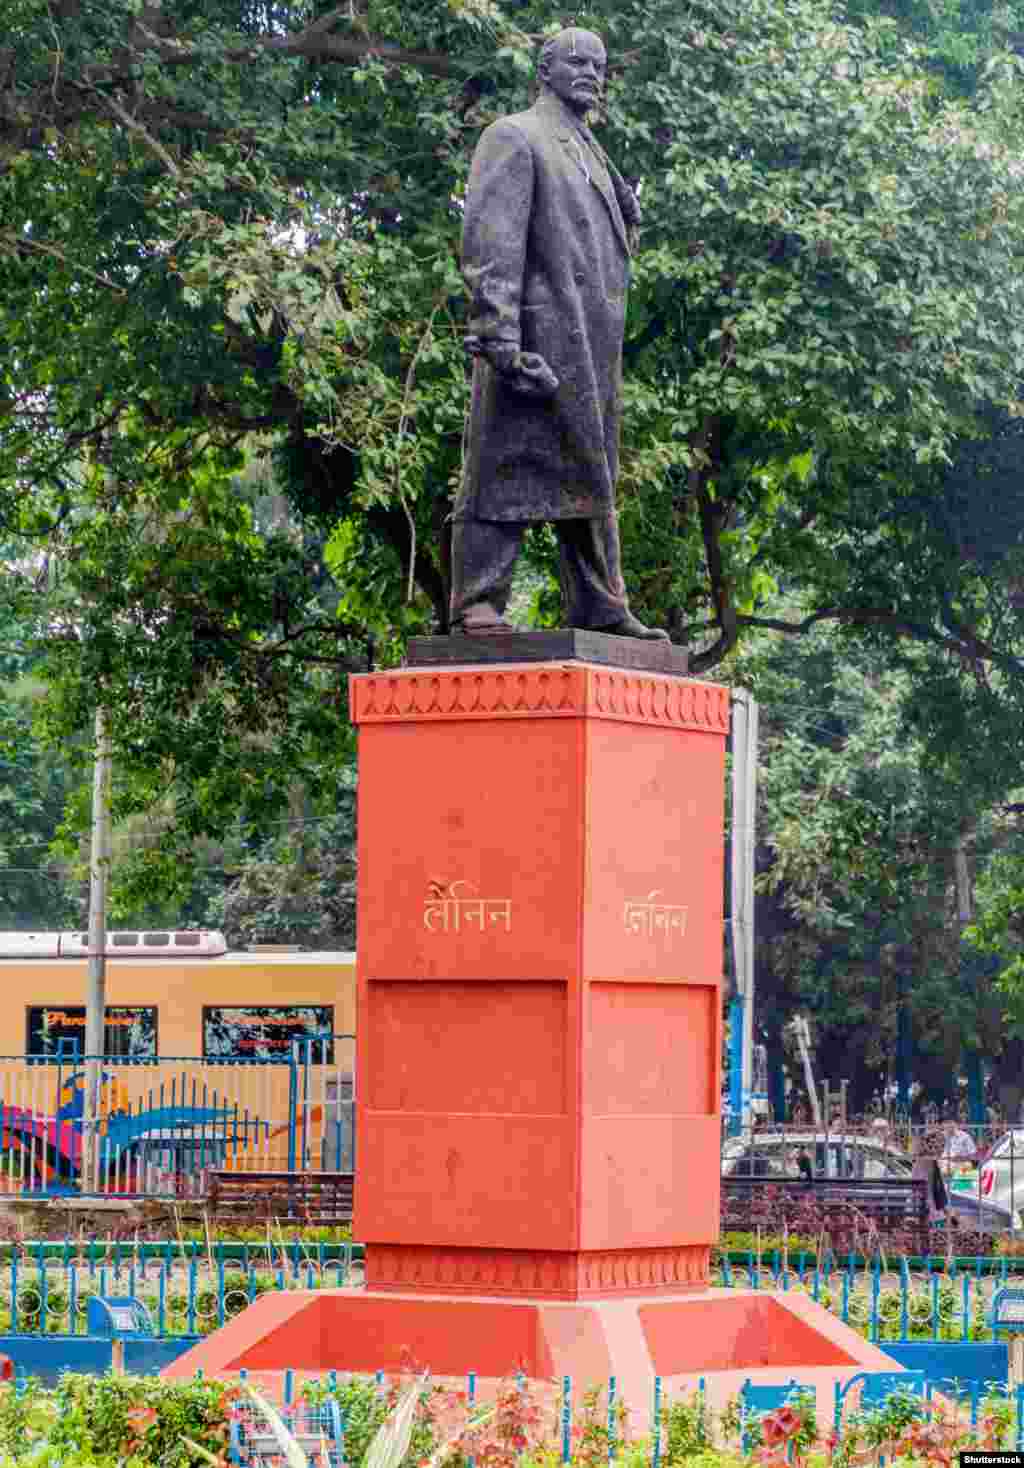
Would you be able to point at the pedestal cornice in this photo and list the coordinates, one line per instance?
(529, 690)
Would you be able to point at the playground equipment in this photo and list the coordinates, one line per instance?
(165, 1143)
(318, 1430)
(51, 1146)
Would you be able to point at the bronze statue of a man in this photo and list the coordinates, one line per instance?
(545, 254)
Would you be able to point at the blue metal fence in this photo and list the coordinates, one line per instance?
(189, 1289)
(193, 1287)
(886, 1300)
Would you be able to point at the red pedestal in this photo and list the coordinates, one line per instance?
(539, 968)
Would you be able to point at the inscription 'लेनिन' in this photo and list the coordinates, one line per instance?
(648, 918)
(451, 906)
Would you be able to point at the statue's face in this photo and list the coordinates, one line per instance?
(575, 71)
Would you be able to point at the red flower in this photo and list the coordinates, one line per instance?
(780, 1425)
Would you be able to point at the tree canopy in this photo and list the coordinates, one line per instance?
(874, 835)
(228, 259)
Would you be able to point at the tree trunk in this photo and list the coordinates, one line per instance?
(1008, 1071)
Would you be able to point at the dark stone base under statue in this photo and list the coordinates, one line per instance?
(568, 644)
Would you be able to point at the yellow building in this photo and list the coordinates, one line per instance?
(169, 997)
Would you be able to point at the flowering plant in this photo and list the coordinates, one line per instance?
(788, 1433)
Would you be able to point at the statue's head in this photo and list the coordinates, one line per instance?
(572, 65)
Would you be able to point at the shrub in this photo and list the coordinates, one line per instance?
(123, 1416)
(685, 1429)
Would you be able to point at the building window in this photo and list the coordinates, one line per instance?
(266, 1031)
(130, 1032)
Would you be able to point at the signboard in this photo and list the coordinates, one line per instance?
(267, 1031)
(1008, 1310)
(117, 1316)
(131, 1031)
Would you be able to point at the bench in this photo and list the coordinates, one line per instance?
(323, 1198)
(890, 1204)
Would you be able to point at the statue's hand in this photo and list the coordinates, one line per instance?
(525, 372)
(534, 377)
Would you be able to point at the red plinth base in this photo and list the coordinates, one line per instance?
(724, 1337)
(539, 1033)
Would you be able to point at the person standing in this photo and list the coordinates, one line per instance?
(546, 245)
(959, 1146)
(926, 1169)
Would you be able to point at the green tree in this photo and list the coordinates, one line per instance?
(864, 818)
(225, 225)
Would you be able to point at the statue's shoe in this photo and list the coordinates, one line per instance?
(482, 621)
(631, 626)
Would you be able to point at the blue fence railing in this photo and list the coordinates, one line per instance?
(192, 1287)
(189, 1289)
(885, 1300)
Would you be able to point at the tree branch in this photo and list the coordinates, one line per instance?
(311, 43)
(711, 524)
(864, 616)
(961, 640)
(22, 242)
(133, 125)
(22, 111)
(410, 378)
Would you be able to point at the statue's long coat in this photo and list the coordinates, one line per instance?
(545, 254)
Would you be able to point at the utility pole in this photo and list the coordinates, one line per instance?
(965, 916)
(742, 843)
(96, 996)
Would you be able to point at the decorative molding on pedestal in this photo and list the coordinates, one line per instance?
(537, 1274)
(529, 690)
(645, 1271)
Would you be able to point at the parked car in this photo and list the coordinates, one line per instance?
(852, 1158)
(1001, 1179)
(774, 1154)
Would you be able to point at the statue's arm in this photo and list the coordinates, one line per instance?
(496, 224)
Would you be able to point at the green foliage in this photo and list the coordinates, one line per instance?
(739, 1240)
(997, 932)
(112, 1418)
(229, 265)
(863, 799)
(685, 1429)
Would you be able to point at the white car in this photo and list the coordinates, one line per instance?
(1002, 1175)
(839, 1155)
(852, 1157)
